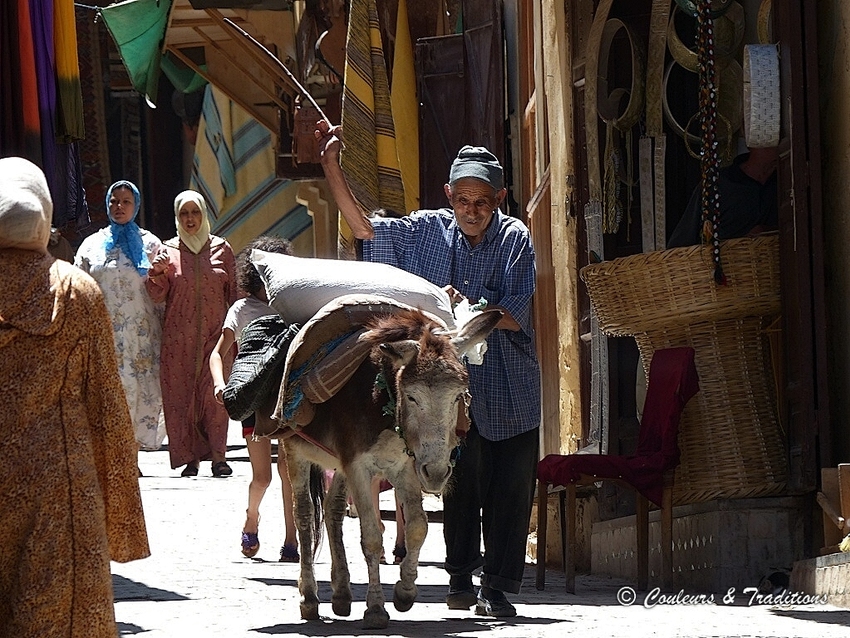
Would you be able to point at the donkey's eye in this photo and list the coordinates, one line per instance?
(411, 399)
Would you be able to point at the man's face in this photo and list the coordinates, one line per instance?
(474, 203)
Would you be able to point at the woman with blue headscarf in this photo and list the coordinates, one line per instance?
(118, 258)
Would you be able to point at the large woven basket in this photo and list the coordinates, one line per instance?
(674, 287)
(731, 443)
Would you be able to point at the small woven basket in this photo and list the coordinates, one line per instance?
(730, 438)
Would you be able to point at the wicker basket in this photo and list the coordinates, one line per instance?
(673, 287)
(730, 438)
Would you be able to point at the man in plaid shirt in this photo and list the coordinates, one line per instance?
(473, 251)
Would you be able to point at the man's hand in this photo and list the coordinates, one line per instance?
(330, 145)
(330, 141)
(454, 295)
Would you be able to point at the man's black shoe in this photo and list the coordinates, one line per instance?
(461, 593)
(492, 602)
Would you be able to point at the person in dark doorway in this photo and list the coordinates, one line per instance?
(474, 251)
(748, 200)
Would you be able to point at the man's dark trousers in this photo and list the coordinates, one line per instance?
(492, 487)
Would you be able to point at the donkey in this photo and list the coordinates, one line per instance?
(404, 430)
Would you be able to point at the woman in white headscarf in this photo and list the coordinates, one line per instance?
(194, 274)
(69, 493)
(118, 258)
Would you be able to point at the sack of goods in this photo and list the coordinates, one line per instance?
(297, 287)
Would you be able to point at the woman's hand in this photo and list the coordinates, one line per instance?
(219, 394)
(160, 265)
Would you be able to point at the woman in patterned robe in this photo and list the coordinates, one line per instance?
(194, 274)
(118, 258)
(69, 494)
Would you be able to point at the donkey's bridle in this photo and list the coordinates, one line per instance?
(391, 409)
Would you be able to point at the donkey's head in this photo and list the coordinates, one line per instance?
(424, 370)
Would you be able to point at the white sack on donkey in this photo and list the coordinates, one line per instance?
(297, 287)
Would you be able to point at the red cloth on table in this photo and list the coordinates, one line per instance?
(672, 382)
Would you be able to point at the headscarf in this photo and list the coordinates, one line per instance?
(128, 237)
(26, 207)
(197, 241)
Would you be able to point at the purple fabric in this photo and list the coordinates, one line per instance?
(672, 382)
(41, 15)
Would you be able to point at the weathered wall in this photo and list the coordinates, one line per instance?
(834, 60)
(557, 63)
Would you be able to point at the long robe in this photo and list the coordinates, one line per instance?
(69, 490)
(137, 327)
(197, 290)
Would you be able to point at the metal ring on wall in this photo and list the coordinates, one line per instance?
(764, 22)
(729, 86)
(729, 34)
(608, 104)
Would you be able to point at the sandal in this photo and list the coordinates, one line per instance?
(399, 552)
(190, 470)
(220, 469)
(289, 554)
(250, 544)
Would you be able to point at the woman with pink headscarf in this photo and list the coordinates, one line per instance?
(194, 274)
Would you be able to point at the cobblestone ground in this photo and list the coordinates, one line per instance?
(197, 584)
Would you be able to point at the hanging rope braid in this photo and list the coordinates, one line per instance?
(710, 160)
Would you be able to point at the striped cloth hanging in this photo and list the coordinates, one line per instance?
(370, 159)
(69, 104)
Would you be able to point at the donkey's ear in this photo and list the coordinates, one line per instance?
(476, 330)
(400, 353)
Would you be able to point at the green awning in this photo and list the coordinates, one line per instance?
(183, 78)
(138, 29)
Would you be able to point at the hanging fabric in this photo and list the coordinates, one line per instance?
(370, 157)
(138, 27)
(21, 122)
(69, 106)
(405, 108)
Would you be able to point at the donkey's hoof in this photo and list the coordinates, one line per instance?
(376, 618)
(309, 610)
(403, 598)
(341, 606)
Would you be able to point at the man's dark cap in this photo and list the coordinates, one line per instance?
(477, 162)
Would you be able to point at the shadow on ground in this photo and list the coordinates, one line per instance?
(126, 589)
(438, 627)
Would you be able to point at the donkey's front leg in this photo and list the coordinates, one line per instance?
(409, 493)
(299, 476)
(359, 480)
(340, 576)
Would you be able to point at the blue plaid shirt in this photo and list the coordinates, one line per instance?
(506, 387)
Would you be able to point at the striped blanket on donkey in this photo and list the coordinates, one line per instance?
(323, 356)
